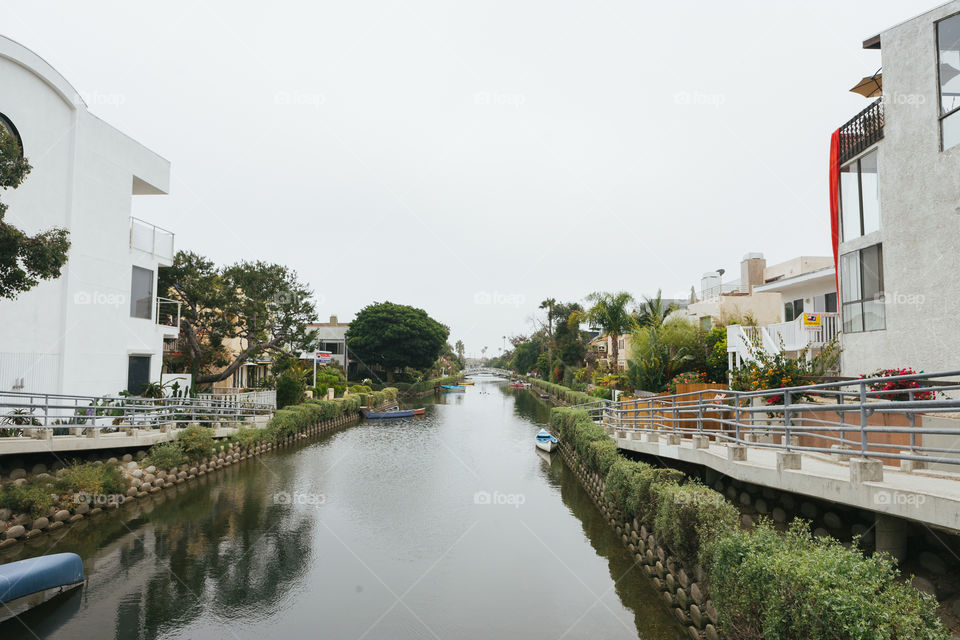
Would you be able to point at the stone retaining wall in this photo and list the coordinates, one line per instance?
(687, 594)
(142, 482)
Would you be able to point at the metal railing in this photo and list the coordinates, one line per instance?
(744, 340)
(870, 417)
(155, 240)
(19, 410)
(862, 131)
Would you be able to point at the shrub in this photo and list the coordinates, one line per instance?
(284, 423)
(27, 498)
(620, 484)
(792, 587)
(648, 487)
(165, 455)
(602, 453)
(690, 515)
(899, 385)
(196, 442)
(686, 377)
(289, 389)
(246, 437)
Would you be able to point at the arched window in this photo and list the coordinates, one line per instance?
(7, 125)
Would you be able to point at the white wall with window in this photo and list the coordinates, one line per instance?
(94, 330)
(898, 255)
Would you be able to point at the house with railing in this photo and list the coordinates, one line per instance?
(98, 328)
(895, 202)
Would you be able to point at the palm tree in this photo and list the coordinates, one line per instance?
(652, 312)
(548, 304)
(459, 348)
(609, 312)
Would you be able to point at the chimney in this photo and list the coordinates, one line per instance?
(752, 271)
(333, 319)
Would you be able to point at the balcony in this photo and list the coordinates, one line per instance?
(151, 239)
(863, 131)
(789, 337)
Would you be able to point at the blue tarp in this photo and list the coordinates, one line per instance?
(23, 577)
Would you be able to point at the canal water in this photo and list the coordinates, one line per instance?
(450, 525)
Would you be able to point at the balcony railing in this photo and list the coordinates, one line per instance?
(154, 240)
(862, 131)
(744, 341)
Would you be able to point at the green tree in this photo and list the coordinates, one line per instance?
(263, 305)
(389, 336)
(609, 312)
(525, 356)
(549, 304)
(460, 353)
(24, 260)
(569, 340)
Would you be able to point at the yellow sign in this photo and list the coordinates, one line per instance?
(812, 320)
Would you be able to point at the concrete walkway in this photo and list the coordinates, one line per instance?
(931, 498)
(95, 439)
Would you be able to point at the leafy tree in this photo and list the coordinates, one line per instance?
(569, 340)
(24, 260)
(609, 312)
(660, 353)
(460, 353)
(390, 336)
(525, 356)
(549, 304)
(263, 305)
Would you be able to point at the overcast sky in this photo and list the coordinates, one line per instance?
(474, 158)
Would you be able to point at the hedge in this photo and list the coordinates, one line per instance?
(764, 584)
(427, 385)
(566, 394)
(793, 586)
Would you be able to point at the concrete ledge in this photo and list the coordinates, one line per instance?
(919, 498)
(736, 453)
(701, 442)
(863, 470)
(788, 460)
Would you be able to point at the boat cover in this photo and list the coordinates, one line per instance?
(23, 577)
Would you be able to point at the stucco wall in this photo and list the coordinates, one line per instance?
(919, 214)
(74, 334)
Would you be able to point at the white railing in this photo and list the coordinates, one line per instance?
(265, 397)
(782, 336)
(150, 238)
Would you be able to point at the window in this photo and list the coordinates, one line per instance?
(861, 288)
(827, 303)
(860, 197)
(948, 73)
(141, 293)
(792, 310)
(7, 125)
(138, 374)
(335, 348)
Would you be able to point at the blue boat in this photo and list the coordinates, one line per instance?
(395, 412)
(546, 441)
(27, 583)
(453, 387)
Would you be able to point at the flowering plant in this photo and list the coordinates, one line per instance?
(687, 377)
(902, 386)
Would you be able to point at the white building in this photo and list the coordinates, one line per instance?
(332, 336)
(98, 329)
(897, 205)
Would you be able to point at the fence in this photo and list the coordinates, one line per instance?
(21, 410)
(890, 418)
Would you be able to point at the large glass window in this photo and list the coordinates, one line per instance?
(141, 293)
(861, 290)
(138, 374)
(860, 197)
(948, 46)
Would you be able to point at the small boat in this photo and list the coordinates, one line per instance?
(25, 584)
(419, 412)
(465, 383)
(393, 412)
(517, 385)
(453, 387)
(546, 441)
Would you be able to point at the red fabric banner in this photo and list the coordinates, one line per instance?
(834, 202)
